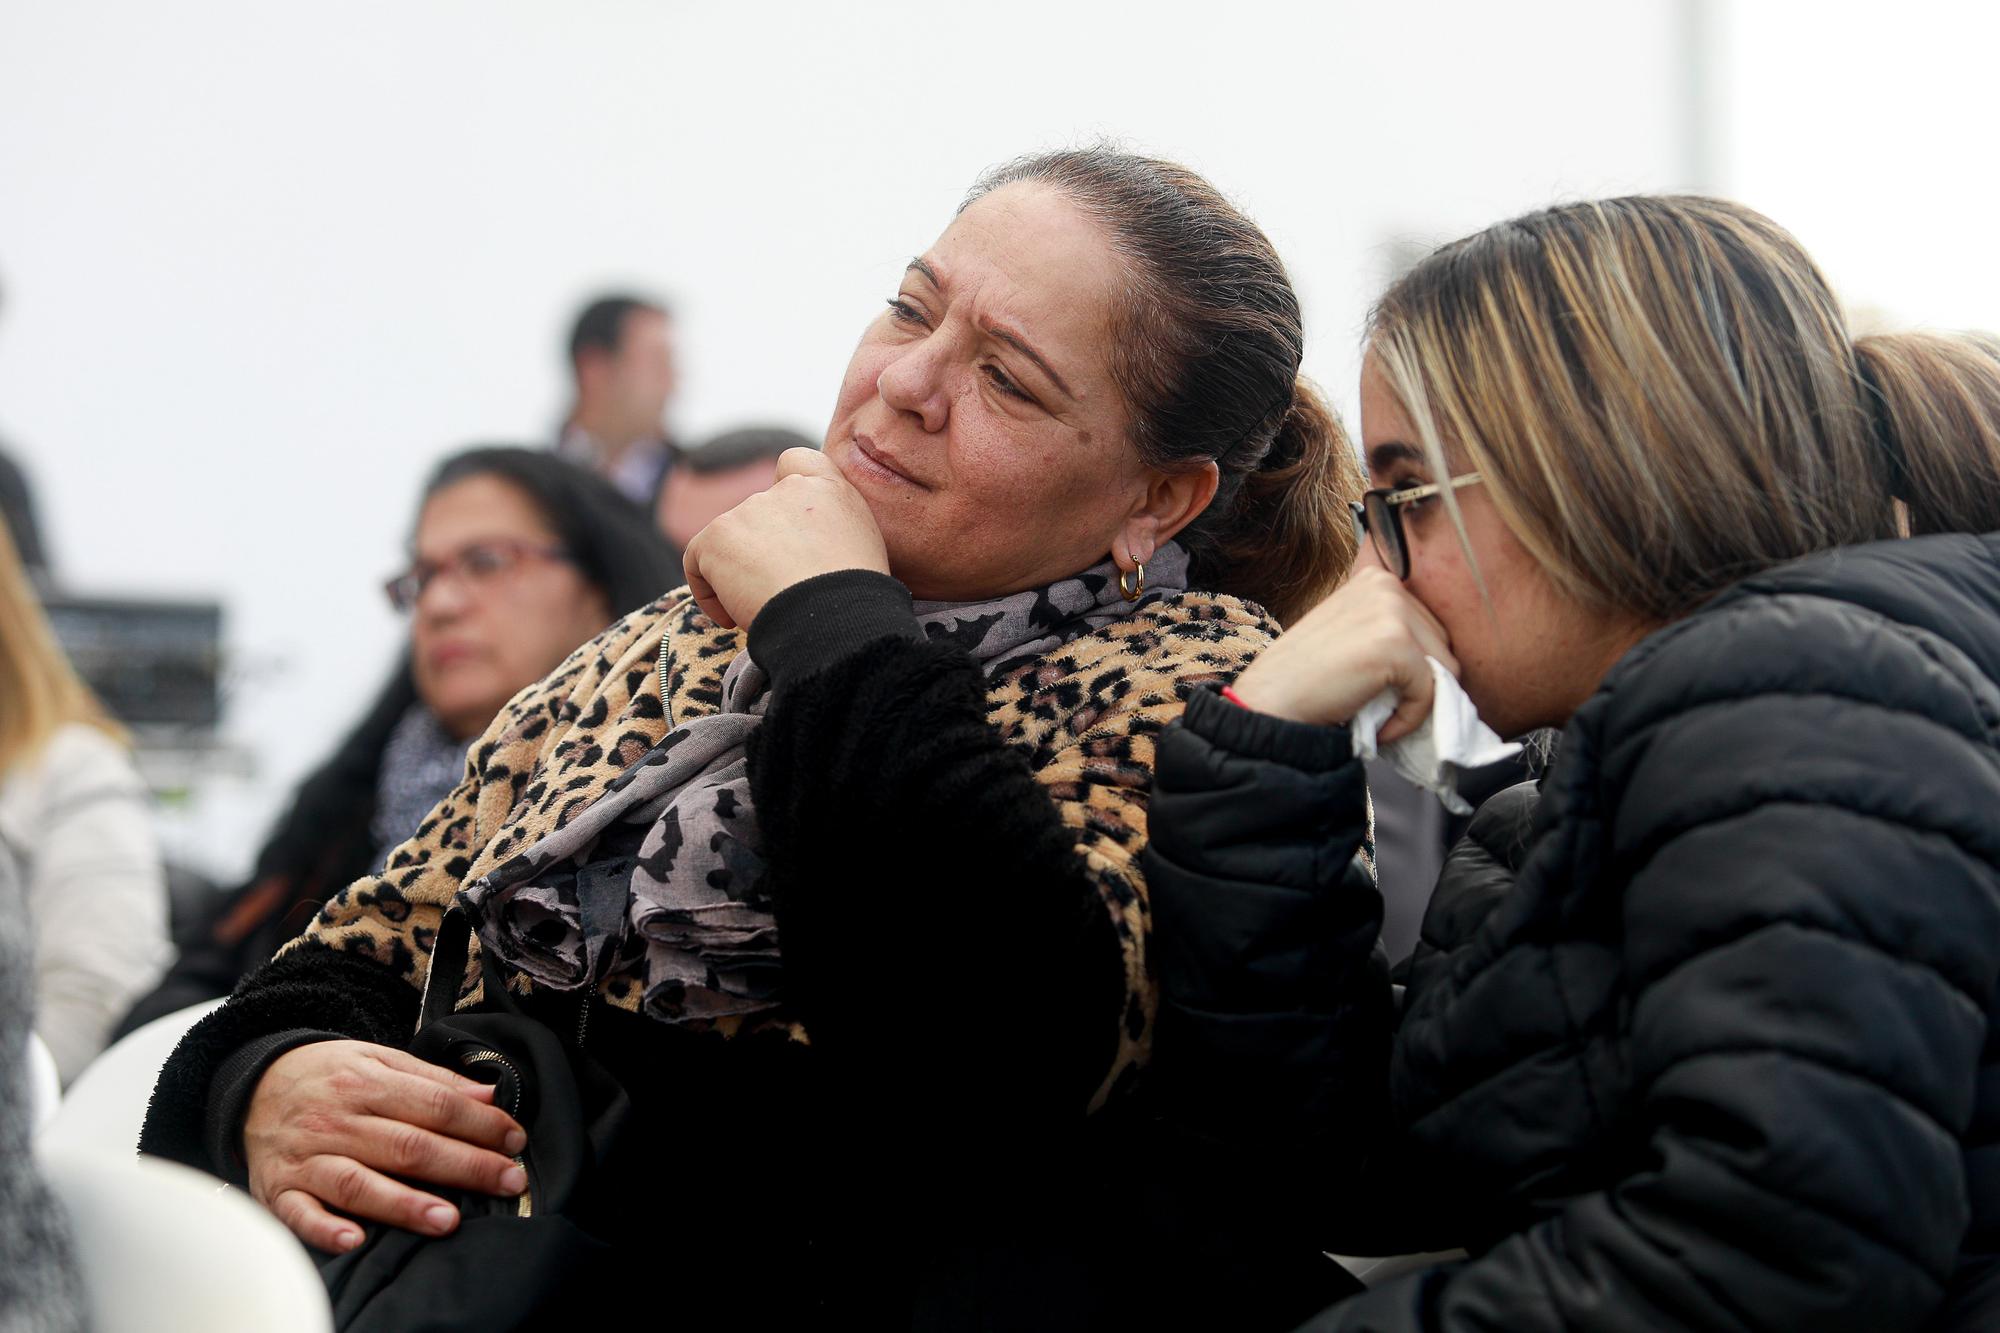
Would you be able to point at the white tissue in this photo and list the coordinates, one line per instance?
(1450, 739)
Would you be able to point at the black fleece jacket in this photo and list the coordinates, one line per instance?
(942, 943)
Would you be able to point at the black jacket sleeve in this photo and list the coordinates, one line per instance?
(310, 993)
(1274, 996)
(943, 944)
(1271, 1068)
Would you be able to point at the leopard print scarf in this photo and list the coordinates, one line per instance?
(658, 883)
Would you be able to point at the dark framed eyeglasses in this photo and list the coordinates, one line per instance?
(1379, 514)
(475, 565)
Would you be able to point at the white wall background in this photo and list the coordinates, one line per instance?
(263, 263)
(1868, 130)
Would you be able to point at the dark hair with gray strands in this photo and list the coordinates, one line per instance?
(1206, 351)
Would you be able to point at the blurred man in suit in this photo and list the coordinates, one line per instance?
(621, 354)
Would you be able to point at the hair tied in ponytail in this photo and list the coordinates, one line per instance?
(1882, 428)
(1279, 406)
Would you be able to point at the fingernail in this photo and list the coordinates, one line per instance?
(516, 1140)
(347, 1240)
(440, 1217)
(513, 1180)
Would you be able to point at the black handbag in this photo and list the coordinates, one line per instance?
(511, 1263)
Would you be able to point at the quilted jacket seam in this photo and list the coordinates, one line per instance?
(1640, 989)
(1655, 842)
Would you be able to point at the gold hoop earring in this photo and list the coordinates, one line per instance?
(1132, 594)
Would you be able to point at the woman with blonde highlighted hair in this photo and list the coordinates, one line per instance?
(1700, 1033)
(74, 814)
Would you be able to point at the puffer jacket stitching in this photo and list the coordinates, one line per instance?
(1950, 665)
(1880, 947)
(1853, 1226)
(1819, 1059)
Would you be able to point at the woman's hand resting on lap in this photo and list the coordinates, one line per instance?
(1369, 636)
(812, 521)
(331, 1123)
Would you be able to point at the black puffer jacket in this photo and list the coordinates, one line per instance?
(1702, 1040)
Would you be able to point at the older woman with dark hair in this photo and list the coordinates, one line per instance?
(870, 795)
(490, 613)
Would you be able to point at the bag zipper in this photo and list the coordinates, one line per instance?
(524, 1206)
(487, 1056)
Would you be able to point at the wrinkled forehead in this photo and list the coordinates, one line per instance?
(1027, 254)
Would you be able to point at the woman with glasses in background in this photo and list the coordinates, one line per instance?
(518, 557)
(1700, 1033)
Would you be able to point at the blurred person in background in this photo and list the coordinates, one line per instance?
(1703, 1031)
(621, 356)
(709, 481)
(40, 1290)
(77, 818)
(517, 558)
(17, 511)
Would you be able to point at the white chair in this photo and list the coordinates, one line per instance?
(44, 1084)
(169, 1250)
(106, 1106)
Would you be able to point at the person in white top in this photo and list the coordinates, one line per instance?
(73, 814)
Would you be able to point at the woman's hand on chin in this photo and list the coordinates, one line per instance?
(1370, 635)
(810, 522)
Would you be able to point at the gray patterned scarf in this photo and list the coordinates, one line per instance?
(658, 884)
